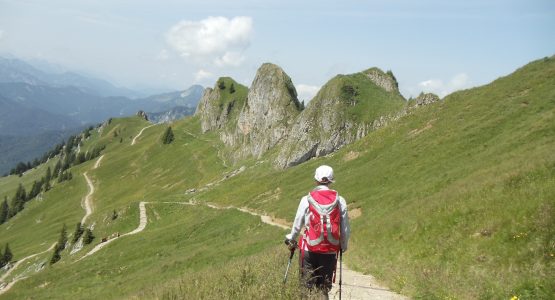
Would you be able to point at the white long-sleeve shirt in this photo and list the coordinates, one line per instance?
(302, 218)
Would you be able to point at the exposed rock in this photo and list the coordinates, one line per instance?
(219, 104)
(339, 115)
(425, 99)
(344, 110)
(266, 117)
(384, 80)
(142, 114)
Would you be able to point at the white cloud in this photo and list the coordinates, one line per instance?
(442, 89)
(218, 40)
(306, 92)
(201, 75)
(1, 34)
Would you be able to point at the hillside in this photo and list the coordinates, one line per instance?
(451, 200)
(39, 108)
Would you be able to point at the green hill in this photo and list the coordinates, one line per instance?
(455, 200)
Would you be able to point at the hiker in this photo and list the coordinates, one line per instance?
(322, 216)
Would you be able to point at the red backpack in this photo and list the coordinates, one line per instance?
(322, 234)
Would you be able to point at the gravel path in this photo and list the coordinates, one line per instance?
(87, 201)
(140, 132)
(11, 283)
(355, 285)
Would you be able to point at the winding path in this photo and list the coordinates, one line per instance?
(15, 280)
(140, 132)
(355, 285)
(87, 201)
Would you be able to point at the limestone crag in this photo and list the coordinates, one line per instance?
(218, 105)
(343, 111)
(383, 80)
(269, 116)
(211, 116)
(425, 99)
(322, 128)
(422, 100)
(271, 108)
(142, 114)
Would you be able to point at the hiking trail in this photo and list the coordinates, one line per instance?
(355, 284)
(15, 280)
(87, 201)
(140, 132)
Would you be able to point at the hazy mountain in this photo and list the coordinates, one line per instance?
(34, 102)
(171, 115)
(166, 101)
(15, 70)
(17, 119)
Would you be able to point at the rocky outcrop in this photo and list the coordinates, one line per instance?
(208, 109)
(142, 114)
(384, 80)
(425, 99)
(271, 108)
(217, 104)
(252, 122)
(342, 112)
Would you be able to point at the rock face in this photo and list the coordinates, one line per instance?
(385, 81)
(340, 114)
(425, 99)
(208, 109)
(271, 108)
(269, 116)
(218, 104)
(142, 114)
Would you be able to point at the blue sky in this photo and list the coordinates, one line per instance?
(437, 46)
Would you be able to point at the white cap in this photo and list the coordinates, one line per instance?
(324, 174)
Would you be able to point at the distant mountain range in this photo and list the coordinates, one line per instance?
(34, 103)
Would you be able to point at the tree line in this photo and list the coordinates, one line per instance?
(61, 173)
(73, 140)
(63, 240)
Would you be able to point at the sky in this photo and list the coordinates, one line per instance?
(430, 45)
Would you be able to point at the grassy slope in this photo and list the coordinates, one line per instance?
(456, 201)
(481, 161)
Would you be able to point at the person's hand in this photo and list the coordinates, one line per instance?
(291, 244)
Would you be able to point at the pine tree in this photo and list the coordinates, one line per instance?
(114, 215)
(168, 136)
(7, 256)
(47, 186)
(232, 89)
(78, 232)
(80, 158)
(57, 168)
(18, 201)
(63, 239)
(55, 256)
(221, 84)
(89, 237)
(48, 176)
(4, 211)
(20, 193)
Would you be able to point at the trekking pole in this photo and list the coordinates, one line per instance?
(340, 270)
(292, 245)
(288, 265)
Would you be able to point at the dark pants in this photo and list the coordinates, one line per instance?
(317, 270)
